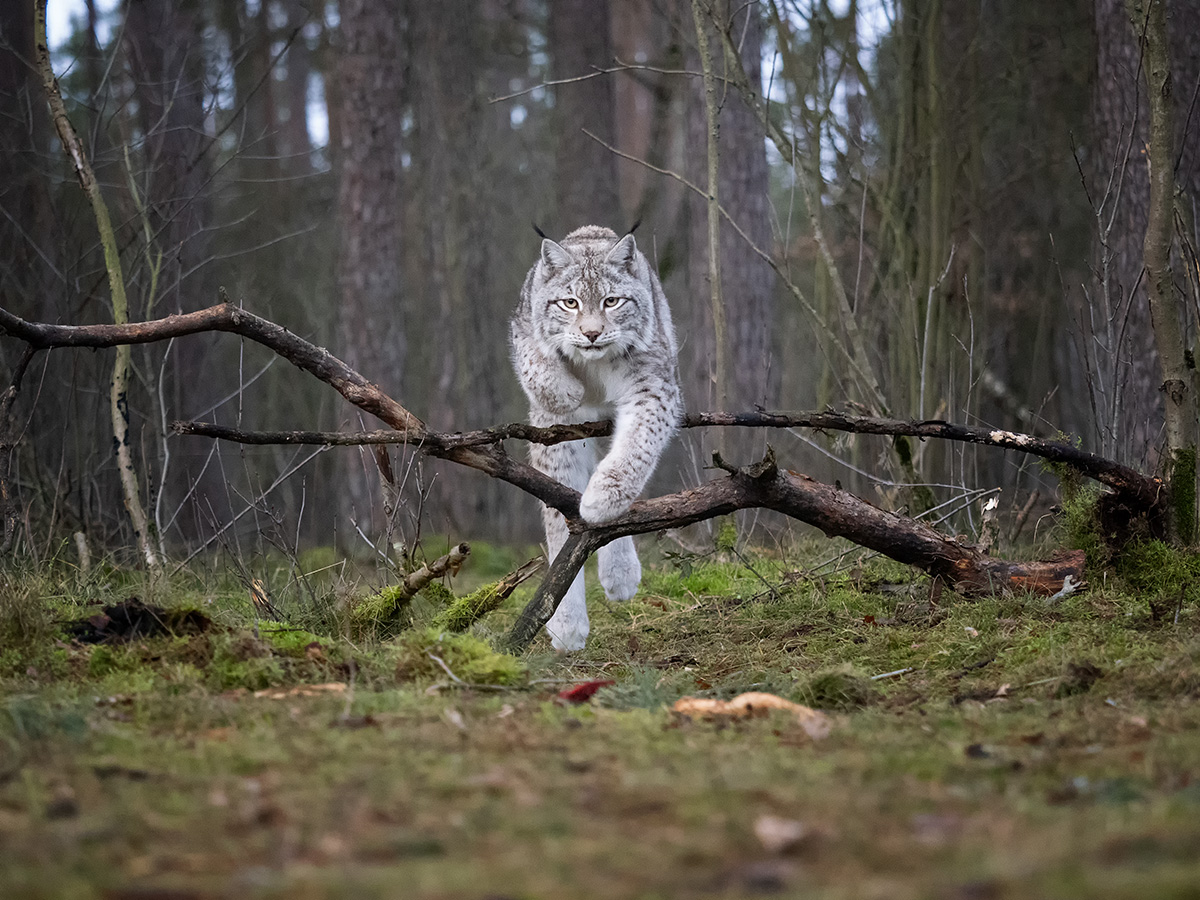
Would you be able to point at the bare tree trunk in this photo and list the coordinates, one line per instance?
(1178, 374)
(1129, 428)
(370, 311)
(119, 388)
(164, 44)
(24, 141)
(298, 63)
(746, 283)
(461, 354)
(585, 174)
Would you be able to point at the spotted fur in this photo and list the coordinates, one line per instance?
(592, 338)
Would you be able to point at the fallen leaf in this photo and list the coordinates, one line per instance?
(582, 693)
(455, 718)
(971, 632)
(302, 690)
(744, 706)
(779, 835)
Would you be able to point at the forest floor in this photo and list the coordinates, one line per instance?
(1014, 749)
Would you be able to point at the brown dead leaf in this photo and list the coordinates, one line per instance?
(753, 704)
(302, 690)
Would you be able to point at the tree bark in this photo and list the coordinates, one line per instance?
(118, 393)
(1129, 421)
(743, 340)
(1178, 376)
(585, 174)
(371, 308)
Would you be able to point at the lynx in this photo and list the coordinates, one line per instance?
(592, 338)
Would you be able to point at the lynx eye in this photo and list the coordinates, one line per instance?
(613, 302)
(568, 302)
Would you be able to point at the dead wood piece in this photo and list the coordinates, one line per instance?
(450, 563)
(1133, 490)
(836, 512)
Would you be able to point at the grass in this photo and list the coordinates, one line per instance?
(1022, 750)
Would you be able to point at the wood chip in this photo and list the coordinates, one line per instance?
(754, 704)
(302, 690)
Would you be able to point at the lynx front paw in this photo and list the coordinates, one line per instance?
(601, 501)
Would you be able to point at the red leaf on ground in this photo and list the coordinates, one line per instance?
(582, 693)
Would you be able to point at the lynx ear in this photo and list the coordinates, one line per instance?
(624, 253)
(555, 256)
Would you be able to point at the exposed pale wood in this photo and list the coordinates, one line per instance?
(450, 562)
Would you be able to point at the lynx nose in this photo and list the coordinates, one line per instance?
(591, 335)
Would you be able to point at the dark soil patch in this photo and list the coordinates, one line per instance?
(132, 619)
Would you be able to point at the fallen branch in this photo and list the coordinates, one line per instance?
(1135, 489)
(764, 485)
(836, 512)
(385, 605)
(466, 611)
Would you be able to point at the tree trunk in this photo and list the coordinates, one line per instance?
(1149, 19)
(585, 173)
(1129, 428)
(747, 282)
(370, 310)
(24, 142)
(462, 356)
(164, 44)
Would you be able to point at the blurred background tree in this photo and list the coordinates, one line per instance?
(931, 209)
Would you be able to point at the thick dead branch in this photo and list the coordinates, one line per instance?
(316, 361)
(226, 317)
(466, 611)
(836, 512)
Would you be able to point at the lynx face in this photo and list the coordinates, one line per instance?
(587, 299)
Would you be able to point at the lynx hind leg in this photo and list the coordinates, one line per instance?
(620, 570)
(571, 463)
(568, 627)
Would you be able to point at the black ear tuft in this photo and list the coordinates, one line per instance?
(634, 226)
(539, 231)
